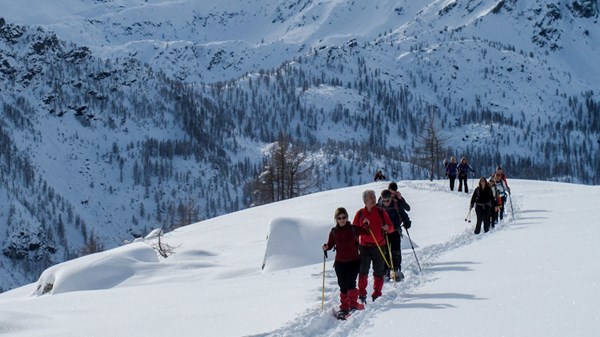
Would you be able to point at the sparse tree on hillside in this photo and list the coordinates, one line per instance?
(286, 174)
(92, 244)
(430, 149)
(188, 211)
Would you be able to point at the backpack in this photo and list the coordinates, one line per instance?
(379, 209)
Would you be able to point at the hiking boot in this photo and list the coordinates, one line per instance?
(342, 314)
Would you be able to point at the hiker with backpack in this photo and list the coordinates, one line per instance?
(503, 186)
(463, 172)
(392, 207)
(343, 237)
(482, 199)
(373, 245)
(501, 176)
(497, 190)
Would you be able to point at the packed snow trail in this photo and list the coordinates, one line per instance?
(317, 322)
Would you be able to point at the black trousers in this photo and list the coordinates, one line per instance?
(494, 216)
(394, 239)
(483, 216)
(452, 180)
(347, 273)
(462, 179)
(370, 254)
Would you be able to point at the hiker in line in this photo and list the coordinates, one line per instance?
(463, 172)
(503, 184)
(343, 237)
(403, 206)
(372, 245)
(502, 192)
(391, 206)
(451, 171)
(482, 200)
(500, 175)
(497, 203)
(396, 195)
(379, 176)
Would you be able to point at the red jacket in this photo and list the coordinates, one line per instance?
(377, 218)
(345, 241)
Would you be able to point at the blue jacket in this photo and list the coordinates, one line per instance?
(451, 169)
(463, 169)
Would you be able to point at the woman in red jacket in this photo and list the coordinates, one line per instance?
(347, 260)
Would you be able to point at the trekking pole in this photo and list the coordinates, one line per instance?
(468, 217)
(323, 292)
(380, 250)
(413, 248)
(512, 210)
(392, 271)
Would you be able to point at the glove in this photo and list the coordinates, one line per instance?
(325, 248)
(407, 224)
(366, 223)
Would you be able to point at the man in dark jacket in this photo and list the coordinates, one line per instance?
(392, 207)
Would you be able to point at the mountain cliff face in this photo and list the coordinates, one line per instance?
(119, 116)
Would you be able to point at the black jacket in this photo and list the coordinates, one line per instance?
(482, 197)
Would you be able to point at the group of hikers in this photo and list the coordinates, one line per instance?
(372, 238)
(489, 199)
(374, 235)
(460, 170)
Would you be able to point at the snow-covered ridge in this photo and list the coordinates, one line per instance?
(515, 273)
(246, 36)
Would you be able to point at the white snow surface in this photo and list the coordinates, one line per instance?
(535, 274)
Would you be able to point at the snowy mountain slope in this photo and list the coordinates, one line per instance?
(511, 281)
(238, 37)
(115, 134)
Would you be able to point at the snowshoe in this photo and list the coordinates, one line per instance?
(343, 315)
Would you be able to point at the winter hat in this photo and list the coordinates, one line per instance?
(340, 210)
(393, 186)
(386, 194)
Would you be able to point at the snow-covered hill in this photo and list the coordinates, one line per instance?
(122, 116)
(533, 275)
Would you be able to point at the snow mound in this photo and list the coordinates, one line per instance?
(294, 242)
(96, 271)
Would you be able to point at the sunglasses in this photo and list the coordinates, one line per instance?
(342, 217)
